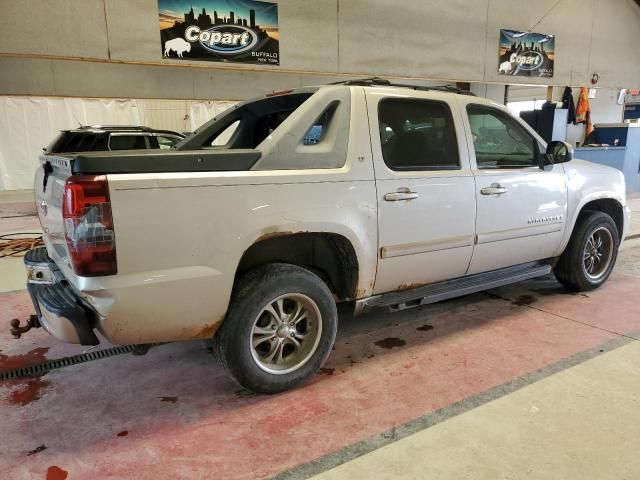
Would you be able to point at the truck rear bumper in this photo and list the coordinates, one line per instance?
(61, 312)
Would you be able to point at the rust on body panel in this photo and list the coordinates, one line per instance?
(269, 234)
(409, 286)
(208, 331)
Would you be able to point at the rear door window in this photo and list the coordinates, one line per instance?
(417, 134)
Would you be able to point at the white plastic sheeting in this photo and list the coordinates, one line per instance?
(201, 112)
(27, 124)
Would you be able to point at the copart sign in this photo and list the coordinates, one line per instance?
(243, 31)
(526, 54)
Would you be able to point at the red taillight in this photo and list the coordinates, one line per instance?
(88, 225)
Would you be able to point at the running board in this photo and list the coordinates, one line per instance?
(437, 292)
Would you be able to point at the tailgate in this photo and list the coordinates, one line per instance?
(48, 189)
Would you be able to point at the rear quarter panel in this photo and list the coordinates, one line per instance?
(180, 237)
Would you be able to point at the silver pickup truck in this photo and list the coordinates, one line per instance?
(366, 192)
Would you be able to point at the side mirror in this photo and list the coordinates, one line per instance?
(558, 152)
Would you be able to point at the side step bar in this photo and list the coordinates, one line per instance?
(437, 292)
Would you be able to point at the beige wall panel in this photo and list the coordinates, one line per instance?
(615, 49)
(75, 28)
(25, 76)
(429, 39)
(134, 33)
(91, 79)
(309, 34)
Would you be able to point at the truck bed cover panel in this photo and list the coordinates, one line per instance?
(137, 161)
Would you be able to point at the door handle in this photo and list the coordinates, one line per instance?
(401, 194)
(493, 189)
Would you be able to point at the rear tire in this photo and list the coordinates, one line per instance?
(279, 330)
(591, 253)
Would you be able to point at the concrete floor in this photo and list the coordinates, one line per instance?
(525, 381)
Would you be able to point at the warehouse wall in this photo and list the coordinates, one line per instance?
(111, 48)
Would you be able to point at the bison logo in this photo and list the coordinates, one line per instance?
(178, 45)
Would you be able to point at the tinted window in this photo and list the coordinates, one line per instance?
(78, 142)
(127, 142)
(417, 135)
(499, 140)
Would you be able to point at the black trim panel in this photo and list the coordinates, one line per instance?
(149, 161)
(457, 287)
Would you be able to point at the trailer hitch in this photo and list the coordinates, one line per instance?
(17, 330)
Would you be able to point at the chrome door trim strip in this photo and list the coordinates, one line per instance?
(530, 231)
(425, 247)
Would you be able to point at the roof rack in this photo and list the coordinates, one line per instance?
(116, 127)
(383, 82)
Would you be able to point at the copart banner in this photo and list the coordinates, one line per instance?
(526, 54)
(239, 31)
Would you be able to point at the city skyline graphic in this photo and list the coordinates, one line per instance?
(528, 40)
(266, 14)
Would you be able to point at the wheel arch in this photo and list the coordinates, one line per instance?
(610, 206)
(331, 256)
(598, 203)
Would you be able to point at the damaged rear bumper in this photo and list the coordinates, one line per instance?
(60, 311)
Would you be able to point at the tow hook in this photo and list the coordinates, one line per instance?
(17, 330)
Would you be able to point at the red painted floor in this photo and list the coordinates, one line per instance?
(174, 414)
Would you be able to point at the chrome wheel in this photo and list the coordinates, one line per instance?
(597, 253)
(286, 333)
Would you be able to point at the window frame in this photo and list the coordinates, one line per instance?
(425, 168)
(502, 114)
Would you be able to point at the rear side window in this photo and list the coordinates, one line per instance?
(318, 130)
(127, 142)
(78, 142)
(417, 135)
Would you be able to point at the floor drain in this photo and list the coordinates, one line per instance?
(44, 367)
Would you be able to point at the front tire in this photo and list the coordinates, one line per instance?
(279, 330)
(591, 253)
